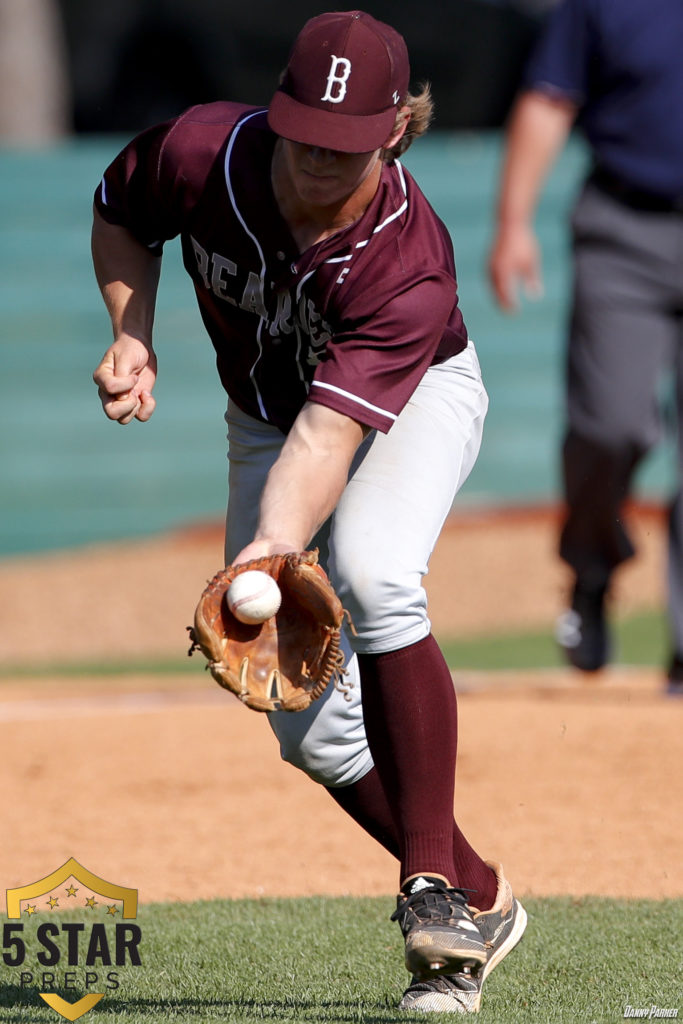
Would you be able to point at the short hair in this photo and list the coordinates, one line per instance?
(421, 115)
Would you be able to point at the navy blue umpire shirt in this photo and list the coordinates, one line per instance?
(621, 62)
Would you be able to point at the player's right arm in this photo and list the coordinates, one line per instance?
(538, 128)
(128, 277)
(305, 482)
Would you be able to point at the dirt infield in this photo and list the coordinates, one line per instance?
(170, 786)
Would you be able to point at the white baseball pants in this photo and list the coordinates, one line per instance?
(376, 545)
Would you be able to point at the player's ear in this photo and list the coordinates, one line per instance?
(402, 118)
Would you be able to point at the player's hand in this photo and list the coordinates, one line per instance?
(265, 547)
(515, 260)
(125, 378)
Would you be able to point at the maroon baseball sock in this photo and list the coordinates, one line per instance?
(410, 712)
(474, 875)
(365, 802)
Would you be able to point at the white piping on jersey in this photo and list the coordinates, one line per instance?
(254, 239)
(297, 330)
(361, 245)
(353, 398)
(397, 213)
(299, 367)
(345, 270)
(303, 281)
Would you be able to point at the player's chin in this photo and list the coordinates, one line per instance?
(320, 191)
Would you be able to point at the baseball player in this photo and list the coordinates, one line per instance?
(355, 410)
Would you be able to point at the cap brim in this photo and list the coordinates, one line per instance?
(347, 133)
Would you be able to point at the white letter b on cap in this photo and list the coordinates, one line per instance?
(336, 83)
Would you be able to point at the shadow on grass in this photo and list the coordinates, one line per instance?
(18, 999)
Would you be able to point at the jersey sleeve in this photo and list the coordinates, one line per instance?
(372, 364)
(133, 193)
(153, 185)
(560, 63)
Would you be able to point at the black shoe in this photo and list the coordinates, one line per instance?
(674, 686)
(444, 993)
(582, 631)
(440, 935)
(501, 928)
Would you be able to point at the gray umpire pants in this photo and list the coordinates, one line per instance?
(625, 337)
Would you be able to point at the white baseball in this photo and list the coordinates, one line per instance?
(253, 596)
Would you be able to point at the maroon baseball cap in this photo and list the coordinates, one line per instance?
(347, 74)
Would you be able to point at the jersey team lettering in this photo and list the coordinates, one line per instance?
(291, 314)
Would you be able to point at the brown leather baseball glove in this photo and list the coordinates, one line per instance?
(286, 662)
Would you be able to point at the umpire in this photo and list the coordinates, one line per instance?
(615, 69)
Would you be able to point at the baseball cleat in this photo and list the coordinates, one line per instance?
(582, 631)
(443, 993)
(503, 925)
(501, 928)
(440, 935)
(674, 683)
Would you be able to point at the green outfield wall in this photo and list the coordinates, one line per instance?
(70, 477)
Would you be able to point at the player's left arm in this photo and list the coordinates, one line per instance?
(306, 482)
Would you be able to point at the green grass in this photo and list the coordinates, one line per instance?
(339, 960)
(638, 640)
(115, 667)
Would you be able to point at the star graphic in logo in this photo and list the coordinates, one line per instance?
(90, 886)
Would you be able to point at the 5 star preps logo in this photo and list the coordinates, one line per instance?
(73, 959)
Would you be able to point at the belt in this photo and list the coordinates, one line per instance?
(636, 198)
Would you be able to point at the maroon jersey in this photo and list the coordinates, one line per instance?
(352, 323)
